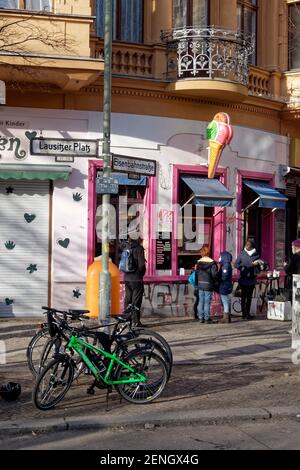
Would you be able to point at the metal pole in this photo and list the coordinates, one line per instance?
(105, 278)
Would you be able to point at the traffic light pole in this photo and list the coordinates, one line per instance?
(105, 278)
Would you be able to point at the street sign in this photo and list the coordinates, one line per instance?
(64, 147)
(139, 166)
(107, 186)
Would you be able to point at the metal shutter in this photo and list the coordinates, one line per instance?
(24, 244)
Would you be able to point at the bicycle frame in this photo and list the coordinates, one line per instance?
(78, 344)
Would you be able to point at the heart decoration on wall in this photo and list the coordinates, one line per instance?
(64, 243)
(31, 135)
(29, 218)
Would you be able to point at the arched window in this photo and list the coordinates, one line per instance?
(127, 20)
(190, 13)
(294, 36)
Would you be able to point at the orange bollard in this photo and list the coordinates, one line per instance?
(93, 289)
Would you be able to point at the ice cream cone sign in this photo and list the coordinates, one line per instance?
(219, 133)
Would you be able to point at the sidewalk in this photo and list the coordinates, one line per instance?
(221, 372)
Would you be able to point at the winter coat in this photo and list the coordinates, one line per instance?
(138, 254)
(294, 265)
(244, 264)
(225, 273)
(207, 273)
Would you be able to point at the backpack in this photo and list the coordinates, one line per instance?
(127, 262)
(193, 280)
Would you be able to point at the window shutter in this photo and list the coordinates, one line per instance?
(100, 18)
(132, 21)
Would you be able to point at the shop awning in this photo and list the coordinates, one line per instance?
(34, 172)
(208, 192)
(268, 197)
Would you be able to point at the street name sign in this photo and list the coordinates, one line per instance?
(140, 166)
(107, 185)
(72, 147)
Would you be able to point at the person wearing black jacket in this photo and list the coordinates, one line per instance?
(225, 284)
(293, 267)
(134, 281)
(245, 263)
(207, 276)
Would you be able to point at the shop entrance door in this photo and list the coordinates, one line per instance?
(24, 247)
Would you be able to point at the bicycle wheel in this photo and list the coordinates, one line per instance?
(53, 383)
(140, 342)
(35, 349)
(149, 364)
(159, 338)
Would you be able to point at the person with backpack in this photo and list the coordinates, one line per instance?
(207, 278)
(246, 263)
(133, 264)
(225, 284)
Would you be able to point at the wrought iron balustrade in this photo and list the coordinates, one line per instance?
(208, 53)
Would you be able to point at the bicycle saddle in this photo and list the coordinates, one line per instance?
(123, 318)
(78, 313)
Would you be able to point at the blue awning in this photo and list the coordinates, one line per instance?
(269, 197)
(125, 181)
(208, 192)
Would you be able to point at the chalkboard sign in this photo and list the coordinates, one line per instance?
(164, 251)
(279, 238)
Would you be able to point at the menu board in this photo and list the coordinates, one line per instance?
(279, 238)
(164, 251)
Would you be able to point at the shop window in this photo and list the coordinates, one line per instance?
(197, 220)
(247, 20)
(294, 36)
(252, 218)
(127, 20)
(121, 217)
(190, 13)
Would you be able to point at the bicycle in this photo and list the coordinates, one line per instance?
(123, 342)
(123, 330)
(130, 376)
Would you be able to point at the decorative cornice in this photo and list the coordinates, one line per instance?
(159, 96)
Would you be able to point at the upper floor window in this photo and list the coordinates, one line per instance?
(294, 36)
(190, 13)
(247, 20)
(127, 20)
(34, 5)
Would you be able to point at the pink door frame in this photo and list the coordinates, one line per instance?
(92, 206)
(219, 225)
(266, 177)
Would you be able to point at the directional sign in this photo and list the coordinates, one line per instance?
(107, 186)
(140, 166)
(72, 147)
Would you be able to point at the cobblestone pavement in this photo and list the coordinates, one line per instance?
(244, 364)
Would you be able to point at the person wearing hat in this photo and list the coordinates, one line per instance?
(293, 267)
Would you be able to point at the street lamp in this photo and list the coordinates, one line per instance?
(105, 278)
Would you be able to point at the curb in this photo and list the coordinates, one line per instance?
(148, 420)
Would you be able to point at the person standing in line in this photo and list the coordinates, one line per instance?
(293, 267)
(207, 272)
(225, 284)
(245, 263)
(134, 278)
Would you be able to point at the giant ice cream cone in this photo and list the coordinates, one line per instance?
(215, 151)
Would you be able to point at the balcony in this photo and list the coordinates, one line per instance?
(208, 62)
(50, 48)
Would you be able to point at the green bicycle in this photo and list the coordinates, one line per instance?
(140, 377)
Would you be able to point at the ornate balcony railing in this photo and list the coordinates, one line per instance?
(208, 53)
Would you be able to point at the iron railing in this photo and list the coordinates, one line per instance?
(208, 53)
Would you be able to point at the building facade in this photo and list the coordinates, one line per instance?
(176, 63)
